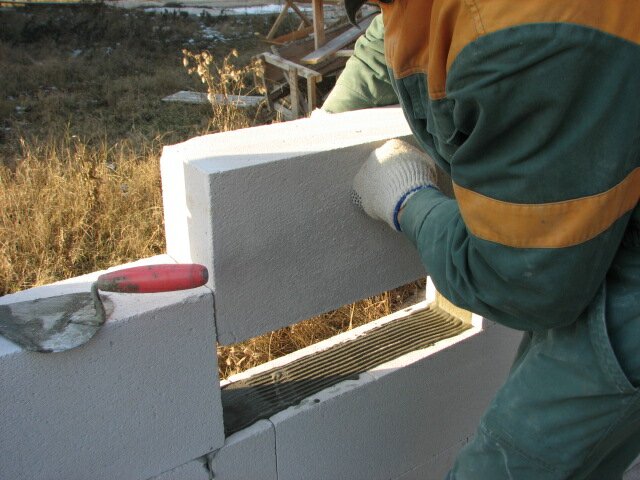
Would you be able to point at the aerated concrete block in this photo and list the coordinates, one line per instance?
(141, 397)
(249, 454)
(437, 467)
(633, 473)
(193, 470)
(397, 417)
(268, 211)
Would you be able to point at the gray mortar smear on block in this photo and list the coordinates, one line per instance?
(55, 323)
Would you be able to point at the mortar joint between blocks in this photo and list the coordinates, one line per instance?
(275, 446)
(209, 460)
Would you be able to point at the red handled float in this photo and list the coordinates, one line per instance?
(154, 278)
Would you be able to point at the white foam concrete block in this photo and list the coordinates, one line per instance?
(141, 397)
(268, 211)
(249, 454)
(437, 467)
(397, 417)
(193, 470)
(633, 473)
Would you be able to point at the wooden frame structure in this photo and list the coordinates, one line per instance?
(314, 25)
(326, 52)
(292, 71)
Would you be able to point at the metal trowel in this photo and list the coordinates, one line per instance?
(56, 324)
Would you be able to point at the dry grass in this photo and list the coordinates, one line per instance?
(69, 208)
(242, 356)
(81, 130)
(228, 80)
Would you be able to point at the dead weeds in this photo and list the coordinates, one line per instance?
(69, 208)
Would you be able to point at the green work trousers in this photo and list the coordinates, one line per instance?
(566, 411)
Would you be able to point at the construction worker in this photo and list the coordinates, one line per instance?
(533, 108)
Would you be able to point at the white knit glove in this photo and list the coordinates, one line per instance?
(391, 174)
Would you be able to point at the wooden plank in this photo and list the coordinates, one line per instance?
(290, 37)
(300, 14)
(311, 94)
(318, 23)
(337, 43)
(294, 51)
(185, 96)
(291, 71)
(293, 92)
(286, 65)
(279, 20)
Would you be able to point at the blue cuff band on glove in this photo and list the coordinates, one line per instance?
(400, 203)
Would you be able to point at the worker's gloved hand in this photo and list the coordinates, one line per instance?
(391, 174)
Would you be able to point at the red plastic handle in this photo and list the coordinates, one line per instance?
(154, 278)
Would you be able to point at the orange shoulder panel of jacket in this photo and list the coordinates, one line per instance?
(547, 225)
(427, 35)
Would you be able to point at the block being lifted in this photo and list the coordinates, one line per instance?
(268, 211)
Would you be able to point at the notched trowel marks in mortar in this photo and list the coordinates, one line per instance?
(264, 394)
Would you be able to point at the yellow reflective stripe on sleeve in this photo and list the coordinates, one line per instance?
(547, 225)
(426, 36)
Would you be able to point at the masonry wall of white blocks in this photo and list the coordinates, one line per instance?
(267, 210)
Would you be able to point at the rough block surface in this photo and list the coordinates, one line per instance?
(397, 417)
(437, 467)
(268, 211)
(193, 470)
(248, 454)
(634, 471)
(141, 397)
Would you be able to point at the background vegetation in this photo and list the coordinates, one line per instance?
(82, 125)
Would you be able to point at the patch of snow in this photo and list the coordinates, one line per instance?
(261, 10)
(211, 34)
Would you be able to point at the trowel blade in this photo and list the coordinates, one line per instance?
(53, 324)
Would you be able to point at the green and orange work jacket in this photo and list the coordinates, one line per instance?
(533, 108)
